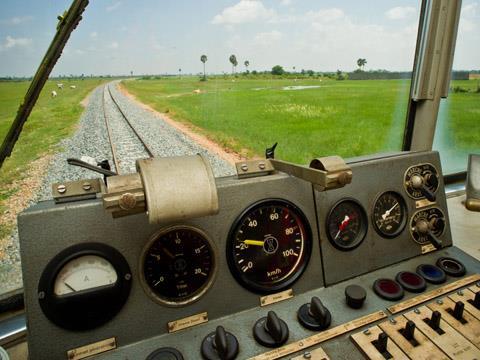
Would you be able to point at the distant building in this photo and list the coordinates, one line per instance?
(474, 76)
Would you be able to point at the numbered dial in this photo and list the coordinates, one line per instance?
(389, 214)
(347, 225)
(178, 265)
(427, 225)
(269, 246)
(421, 181)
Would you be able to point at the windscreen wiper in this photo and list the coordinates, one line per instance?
(67, 23)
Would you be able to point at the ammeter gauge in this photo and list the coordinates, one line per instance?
(269, 246)
(389, 214)
(178, 265)
(84, 286)
(347, 224)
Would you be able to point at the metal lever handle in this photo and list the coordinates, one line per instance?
(83, 164)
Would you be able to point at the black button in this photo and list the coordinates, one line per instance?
(451, 266)
(411, 281)
(355, 296)
(165, 353)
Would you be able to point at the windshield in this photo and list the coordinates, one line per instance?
(223, 78)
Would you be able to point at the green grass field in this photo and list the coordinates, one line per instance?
(347, 118)
(51, 120)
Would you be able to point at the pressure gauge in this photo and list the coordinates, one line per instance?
(84, 286)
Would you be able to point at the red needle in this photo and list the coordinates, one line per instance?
(344, 223)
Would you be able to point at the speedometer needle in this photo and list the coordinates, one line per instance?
(254, 242)
(387, 213)
(71, 288)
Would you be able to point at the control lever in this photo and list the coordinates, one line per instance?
(476, 300)
(458, 310)
(381, 345)
(408, 331)
(220, 344)
(434, 322)
(271, 331)
(423, 227)
(99, 169)
(418, 182)
(314, 315)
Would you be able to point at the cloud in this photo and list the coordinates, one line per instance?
(246, 11)
(16, 20)
(267, 38)
(93, 34)
(11, 42)
(114, 6)
(113, 45)
(286, 2)
(470, 10)
(400, 12)
(325, 15)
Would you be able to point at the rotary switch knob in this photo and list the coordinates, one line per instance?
(314, 315)
(420, 183)
(271, 331)
(424, 227)
(220, 345)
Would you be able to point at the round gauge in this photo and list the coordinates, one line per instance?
(389, 214)
(84, 286)
(347, 224)
(427, 225)
(269, 246)
(178, 265)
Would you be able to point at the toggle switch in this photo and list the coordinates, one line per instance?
(314, 315)
(220, 344)
(458, 310)
(434, 321)
(381, 343)
(476, 300)
(408, 331)
(271, 331)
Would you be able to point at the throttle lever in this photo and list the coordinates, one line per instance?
(83, 164)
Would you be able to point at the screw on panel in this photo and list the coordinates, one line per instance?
(261, 166)
(460, 292)
(416, 311)
(61, 188)
(439, 301)
(244, 167)
(41, 295)
(393, 321)
(477, 283)
(128, 276)
(366, 331)
(307, 355)
(86, 186)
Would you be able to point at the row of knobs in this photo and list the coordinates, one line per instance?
(270, 331)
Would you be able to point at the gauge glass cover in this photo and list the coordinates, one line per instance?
(389, 214)
(269, 246)
(178, 265)
(347, 224)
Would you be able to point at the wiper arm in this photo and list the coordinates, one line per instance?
(67, 23)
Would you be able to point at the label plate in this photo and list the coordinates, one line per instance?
(92, 349)
(187, 322)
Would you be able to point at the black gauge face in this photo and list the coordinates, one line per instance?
(389, 214)
(426, 223)
(178, 265)
(84, 286)
(347, 225)
(269, 246)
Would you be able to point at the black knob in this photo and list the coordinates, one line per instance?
(458, 310)
(165, 353)
(314, 315)
(427, 193)
(409, 330)
(381, 342)
(220, 345)
(434, 321)
(476, 300)
(355, 296)
(434, 240)
(271, 331)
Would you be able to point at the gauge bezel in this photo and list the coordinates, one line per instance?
(364, 221)
(90, 308)
(307, 250)
(403, 205)
(405, 184)
(197, 294)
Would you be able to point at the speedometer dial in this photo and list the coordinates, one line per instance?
(269, 246)
(389, 214)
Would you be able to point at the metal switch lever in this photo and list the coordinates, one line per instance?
(434, 321)
(458, 310)
(409, 330)
(382, 342)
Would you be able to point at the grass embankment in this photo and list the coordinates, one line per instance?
(347, 118)
(51, 120)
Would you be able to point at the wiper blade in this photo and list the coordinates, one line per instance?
(67, 23)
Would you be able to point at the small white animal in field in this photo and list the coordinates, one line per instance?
(60, 86)
(197, 91)
(73, 87)
(54, 93)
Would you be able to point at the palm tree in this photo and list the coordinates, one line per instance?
(361, 63)
(247, 64)
(203, 59)
(233, 60)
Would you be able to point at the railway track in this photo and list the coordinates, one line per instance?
(126, 143)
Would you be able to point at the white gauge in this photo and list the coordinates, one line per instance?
(84, 273)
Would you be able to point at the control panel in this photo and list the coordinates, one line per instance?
(283, 269)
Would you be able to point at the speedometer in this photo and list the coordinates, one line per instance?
(269, 246)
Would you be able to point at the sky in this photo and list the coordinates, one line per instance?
(156, 37)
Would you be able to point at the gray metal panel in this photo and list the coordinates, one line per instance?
(370, 179)
(47, 229)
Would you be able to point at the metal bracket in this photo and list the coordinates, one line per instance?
(324, 173)
(76, 190)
